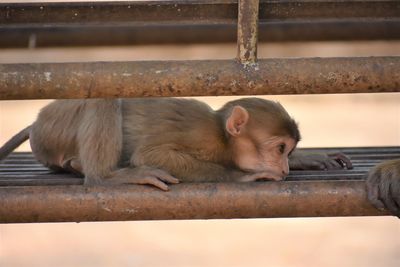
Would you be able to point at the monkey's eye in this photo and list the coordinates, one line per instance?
(282, 148)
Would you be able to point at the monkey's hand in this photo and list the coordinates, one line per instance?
(252, 177)
(383, 186)
(142, 175)
(305, 161)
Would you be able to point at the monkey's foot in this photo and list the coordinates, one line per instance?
(142, 175)
(73, 165)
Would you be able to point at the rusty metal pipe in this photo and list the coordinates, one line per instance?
(247, 33)
(199, 78)
(179, 21)
(216, 11)
(281, 31)
(184, 201)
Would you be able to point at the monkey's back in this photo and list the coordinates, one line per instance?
(188, 125)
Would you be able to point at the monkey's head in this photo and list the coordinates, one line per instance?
(261, 136)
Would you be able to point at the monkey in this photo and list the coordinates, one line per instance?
(383, 186)
(160, 141)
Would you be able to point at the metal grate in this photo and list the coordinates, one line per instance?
(21, 169)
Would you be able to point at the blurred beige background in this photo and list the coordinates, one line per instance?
(325, 120)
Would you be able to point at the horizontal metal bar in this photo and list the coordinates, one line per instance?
(360, 169)
(39, 180)
(199, 78)
(18, 164)
(16, 161)
(347, 150)
(46, 178)
(5, 171)
(29, 36)
(189, 11)
(124, 23)
(327, 175)
(356, 150)
(184, 201)
(8, 171)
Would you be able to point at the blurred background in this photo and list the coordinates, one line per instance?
(325, 121)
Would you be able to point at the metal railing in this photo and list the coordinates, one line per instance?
(245, 75)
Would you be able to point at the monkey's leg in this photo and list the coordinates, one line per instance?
(74, 166)
(100, 139)
(141, 175)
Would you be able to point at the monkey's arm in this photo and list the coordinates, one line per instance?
(182, 165)
(311, 161)
(383, 186)
(141, 175)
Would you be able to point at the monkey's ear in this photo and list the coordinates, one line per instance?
(237, 120)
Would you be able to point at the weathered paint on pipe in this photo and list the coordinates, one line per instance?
(184, 201)
(199, 78)
(247, 33)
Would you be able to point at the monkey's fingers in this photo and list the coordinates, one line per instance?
(165, 176)
(151, 180)
(332, 164)
(142, 180)
(343, 160)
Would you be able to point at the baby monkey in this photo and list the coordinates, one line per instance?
(157, 141)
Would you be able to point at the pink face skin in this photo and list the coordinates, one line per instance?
(269, 156)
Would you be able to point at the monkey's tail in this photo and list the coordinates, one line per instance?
(14, 142)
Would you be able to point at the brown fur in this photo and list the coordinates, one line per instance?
(383, 185)
(86, 132)
(265, 112)
(178, 135)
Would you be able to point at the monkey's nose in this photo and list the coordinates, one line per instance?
(285, 173)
